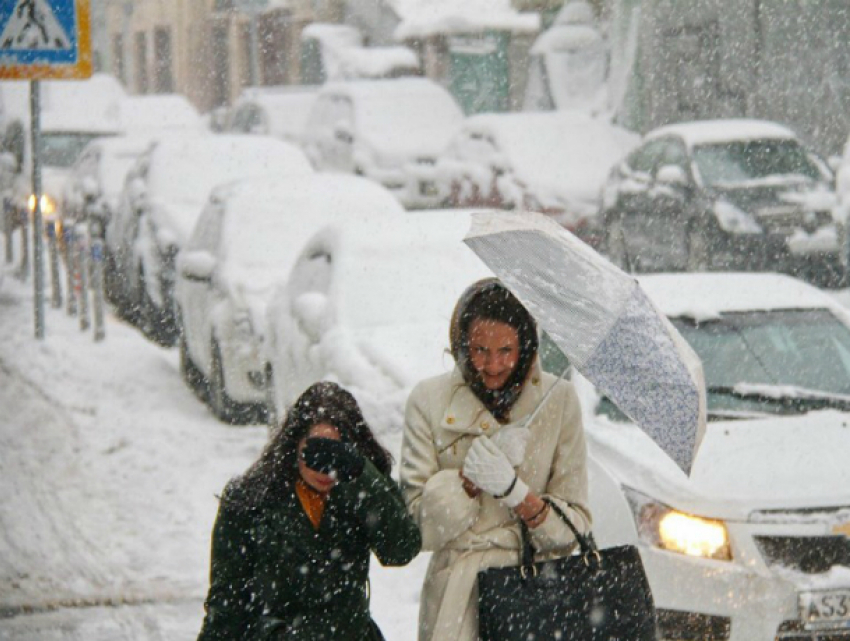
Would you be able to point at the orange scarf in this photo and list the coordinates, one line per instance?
(312, 501)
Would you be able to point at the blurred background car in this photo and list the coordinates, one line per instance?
(152, 114)
(273, 111)
(368, 304)
(753, 544)
(243, 245)
(164, 193)
(554, 163)
(842, 204)
(730, 194)
(97, 177)
(390, 131)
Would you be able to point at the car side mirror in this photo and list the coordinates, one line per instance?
(343, 133)
(672, 175)
(311, 312)
(197, 266)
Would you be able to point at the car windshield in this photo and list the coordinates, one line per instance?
(735, 163)
(758, 361)
(61, 148)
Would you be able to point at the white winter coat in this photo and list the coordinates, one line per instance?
(442, 418)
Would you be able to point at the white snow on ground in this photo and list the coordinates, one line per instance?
(109, 468)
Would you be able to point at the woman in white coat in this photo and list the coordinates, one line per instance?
(470, 471)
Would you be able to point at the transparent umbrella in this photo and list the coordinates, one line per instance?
(603, 322)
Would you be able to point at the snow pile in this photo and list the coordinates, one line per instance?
(443, 17)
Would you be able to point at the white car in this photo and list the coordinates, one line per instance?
(753, 546)
(554, 163)
(388, 130)
(273, 111)
(244, 243)
(368, 305)
(842, 207)
(163, 196)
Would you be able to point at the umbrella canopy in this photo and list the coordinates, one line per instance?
(603, 322)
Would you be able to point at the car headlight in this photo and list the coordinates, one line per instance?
(668, 529)
(733, 219)
(48, 205)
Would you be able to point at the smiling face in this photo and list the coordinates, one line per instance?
(493, 351)
(320, 482)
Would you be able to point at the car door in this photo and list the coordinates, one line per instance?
(197, 299)
(666, 205)
(632, 201)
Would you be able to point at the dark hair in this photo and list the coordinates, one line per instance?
(322, 402)
(489, 299)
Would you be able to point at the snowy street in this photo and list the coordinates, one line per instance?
(109, 469)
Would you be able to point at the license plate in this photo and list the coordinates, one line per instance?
(825, 609)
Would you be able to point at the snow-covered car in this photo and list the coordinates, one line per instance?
(152, 114)
(368, 305)
(244, 244)
(164, 193)
(273, 111)
(729, 194)
(388, 130)
(97, 177)
(553, 163)
(753, 546)
(73, 113)
(842, 205)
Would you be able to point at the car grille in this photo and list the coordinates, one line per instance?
(794, 631)
(807, 554)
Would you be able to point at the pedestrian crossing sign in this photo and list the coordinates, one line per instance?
(45, 39)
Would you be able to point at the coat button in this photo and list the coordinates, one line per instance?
(535, 381)
(450, 420)
(485, 425)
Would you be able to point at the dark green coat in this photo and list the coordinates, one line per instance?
(274, 576)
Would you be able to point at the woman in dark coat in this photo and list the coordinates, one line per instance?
(291, 544)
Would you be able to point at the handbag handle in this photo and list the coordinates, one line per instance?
(585, 542)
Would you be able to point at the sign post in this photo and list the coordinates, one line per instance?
(43, 39)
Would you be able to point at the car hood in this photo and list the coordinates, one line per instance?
(778, 462)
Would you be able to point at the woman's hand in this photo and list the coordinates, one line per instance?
(488, 468)
(472, 491)
(333, 457)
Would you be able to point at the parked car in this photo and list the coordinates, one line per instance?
(754, 544)
(842, 205)
(388, 130)
(730, 194)
(163, 196)
(152, 114)
(243, 244)
(273, 111)
(368, 305)
(553, 163)
(97, 177)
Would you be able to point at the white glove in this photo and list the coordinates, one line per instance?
(512, 441)
(488, 468)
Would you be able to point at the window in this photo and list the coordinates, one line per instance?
(142, 84)
(163, 78)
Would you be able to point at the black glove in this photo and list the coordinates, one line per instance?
(333, 457)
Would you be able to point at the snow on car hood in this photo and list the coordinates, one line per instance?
(741, 466)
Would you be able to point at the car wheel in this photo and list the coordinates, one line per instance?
(143, 310)
(222, 405)
(190, 372)
(615, 244)
(699, 252)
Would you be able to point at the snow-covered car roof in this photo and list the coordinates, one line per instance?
(401, 115)
(708, 295)
(183, 169)
(566, 149)
(287, 111)
(267, 221)
(156, 112)
(717, 131)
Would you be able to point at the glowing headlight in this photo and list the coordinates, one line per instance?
(48, 205)
(668, 529)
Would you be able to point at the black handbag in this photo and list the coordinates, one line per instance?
(597, 595)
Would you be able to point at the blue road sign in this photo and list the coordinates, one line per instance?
(44, 39)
